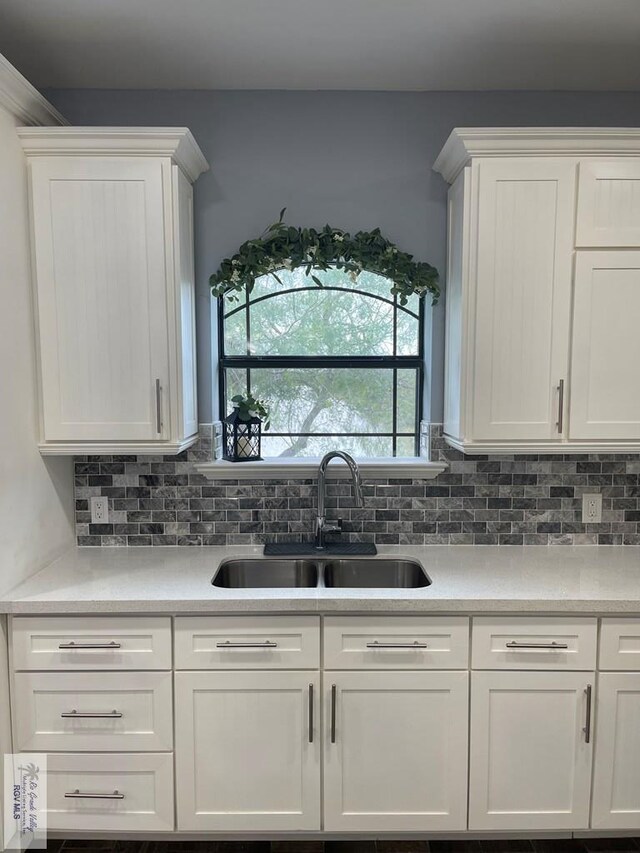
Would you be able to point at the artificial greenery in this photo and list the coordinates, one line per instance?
(283, 247)
(248, 407)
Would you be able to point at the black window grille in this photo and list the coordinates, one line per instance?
(340, 366)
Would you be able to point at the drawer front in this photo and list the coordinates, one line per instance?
(247, 642)
(101, 642)
(609, 204)
(396, 642)
(110, 793)
(620, 644)
(533, 643)
(93, 711)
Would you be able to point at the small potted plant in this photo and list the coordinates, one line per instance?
(243, 428)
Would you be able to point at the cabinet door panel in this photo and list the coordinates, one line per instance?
(399, 760)
(244, 760)
(609, 203)
(616, 780)
(606, 347)
(530, 763)
(522, 300)
(102, 304)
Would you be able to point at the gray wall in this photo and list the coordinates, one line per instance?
(354, 159)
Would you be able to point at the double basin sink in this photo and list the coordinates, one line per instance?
(257, 573)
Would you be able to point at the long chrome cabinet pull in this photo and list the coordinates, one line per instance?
(587, 721)
(227, 644)
(88, 795)
(415, 645)
(311, 713)
(334, 691)
(515, 645)
(158, 407)
(560, 422)
(91, 715)
(82, 646)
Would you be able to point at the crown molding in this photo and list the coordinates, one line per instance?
(23, 100)
(464, 143)
(174, 142)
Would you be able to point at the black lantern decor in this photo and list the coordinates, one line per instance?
(241, 438)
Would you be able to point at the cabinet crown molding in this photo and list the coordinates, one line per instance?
(23, 100)
(464, 143)
(174, 142)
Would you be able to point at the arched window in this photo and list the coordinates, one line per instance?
(339, 365)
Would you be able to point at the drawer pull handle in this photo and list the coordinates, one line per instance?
(558, 646)
(334, 691)
(82, 646)
(415, 645)
(91, 715)
(227, 644)
(89, 795)
(158, 407)
(559, 422)
(311, 713)
(587, 723)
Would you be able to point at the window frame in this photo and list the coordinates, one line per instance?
(390, 362)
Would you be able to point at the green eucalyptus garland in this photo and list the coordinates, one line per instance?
(283, 247)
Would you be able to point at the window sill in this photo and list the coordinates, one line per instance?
(307, 468)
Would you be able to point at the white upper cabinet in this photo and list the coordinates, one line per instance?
(524, 235)
(609, 204)
(513, 299)
(112, 227)
(606, 346)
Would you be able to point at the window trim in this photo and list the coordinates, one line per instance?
(306, 468)
(390, 362)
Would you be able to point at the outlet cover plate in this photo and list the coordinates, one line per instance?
(592, 508)
(99, 510)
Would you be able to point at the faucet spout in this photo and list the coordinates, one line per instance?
(321, 528)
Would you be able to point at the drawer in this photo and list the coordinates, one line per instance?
(110, 793)
(93, 711)
(247, 642)
(100, 642)
(620, 644)
(396, 642)
(533, 643)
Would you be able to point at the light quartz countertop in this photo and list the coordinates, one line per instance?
(471, 579)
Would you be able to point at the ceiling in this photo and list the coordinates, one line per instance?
(325, 44)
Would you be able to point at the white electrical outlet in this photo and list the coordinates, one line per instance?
(592, 509)
(99, 510)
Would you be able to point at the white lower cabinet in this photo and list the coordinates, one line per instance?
(395, 751)
(110, 792)
(616, 778)
(531, 750)
(248, 750)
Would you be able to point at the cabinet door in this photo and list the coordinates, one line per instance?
(247, 751)
(606, 347)
(616, 780)
(99, 237)
(609, 203)
(395, 751)
(530, 760)
(522, 297)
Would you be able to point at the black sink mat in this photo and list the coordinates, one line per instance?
(307, 549)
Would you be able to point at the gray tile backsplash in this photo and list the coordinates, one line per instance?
(495, 500)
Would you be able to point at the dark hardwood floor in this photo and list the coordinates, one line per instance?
(590, 845)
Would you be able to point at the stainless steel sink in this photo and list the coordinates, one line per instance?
(265, 573)
(378, 574)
